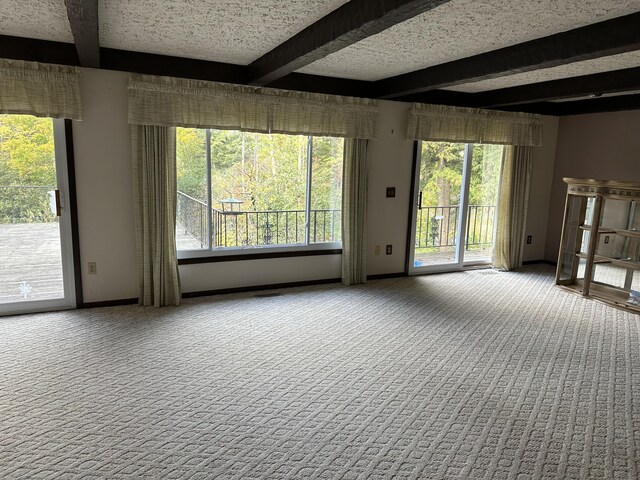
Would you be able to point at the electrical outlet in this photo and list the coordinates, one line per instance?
(93, 268)
(389, 249)
(391, 192)
(377, 250)
(606, 239)
(529, 239)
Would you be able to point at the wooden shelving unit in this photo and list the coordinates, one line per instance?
(600, 246)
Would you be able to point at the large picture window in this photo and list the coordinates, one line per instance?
(241, 191)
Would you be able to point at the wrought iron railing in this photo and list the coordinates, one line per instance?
(256, 228)
(26, 204)
(437, 226)
(191, 217)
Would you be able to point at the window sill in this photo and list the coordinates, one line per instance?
(207, 256)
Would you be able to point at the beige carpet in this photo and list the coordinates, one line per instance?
(466, 375)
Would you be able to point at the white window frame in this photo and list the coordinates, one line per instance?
(68, 301)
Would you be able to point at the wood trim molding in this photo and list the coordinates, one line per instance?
(73, 211)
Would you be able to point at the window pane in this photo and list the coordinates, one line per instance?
(191, 170)
(258, 188)
(326, 190)
(439, 238)
(30, 246)
(440, 189)
(483, 202)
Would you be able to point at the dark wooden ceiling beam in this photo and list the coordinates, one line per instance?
(441, 97)
(599, 83)
(320, 84)
(598, 105)
(32, 50)
(348, 24)
(83, 18)
(152, 64)
(578, 107)
(610, 37)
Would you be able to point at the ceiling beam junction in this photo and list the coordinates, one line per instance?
(348, 24)
(83, 19)
(618, 35)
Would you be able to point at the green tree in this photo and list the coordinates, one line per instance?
(27, 153)
(27, 161)
(191, 162)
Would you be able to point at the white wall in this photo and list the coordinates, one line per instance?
(105, 197)
(221, 275)
(105, 203)
(391, 162)
(603, 146)
(540, 193)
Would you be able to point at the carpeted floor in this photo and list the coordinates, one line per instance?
(466, 375)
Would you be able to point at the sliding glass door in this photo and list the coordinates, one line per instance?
(36, 265)
(456, 198)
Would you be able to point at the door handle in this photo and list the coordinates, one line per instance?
(58, 204)
(420, 200)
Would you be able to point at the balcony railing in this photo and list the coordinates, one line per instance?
(26, 204)
(437, 226)
(256, 228)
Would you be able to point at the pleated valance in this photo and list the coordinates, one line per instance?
(473, 125)
(39, 89)
(168, 101)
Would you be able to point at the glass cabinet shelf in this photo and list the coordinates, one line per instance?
(600, 245)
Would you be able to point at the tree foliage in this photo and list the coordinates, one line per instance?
(27, 162)
(441, 173)
(264, 171)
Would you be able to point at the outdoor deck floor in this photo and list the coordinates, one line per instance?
(447, 255)
(30, 262)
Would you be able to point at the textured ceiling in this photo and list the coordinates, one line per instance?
(230, 31)
(41, 19)
(598, 65)
(462, 28)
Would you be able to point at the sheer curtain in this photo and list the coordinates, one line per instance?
(512, 207)
(354, 211)
(154, 184)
